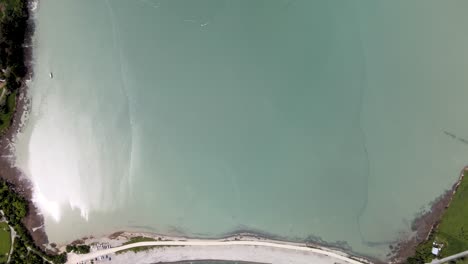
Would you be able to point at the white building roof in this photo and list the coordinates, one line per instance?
(435, 251)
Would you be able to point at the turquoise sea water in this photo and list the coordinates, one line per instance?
(294, 118)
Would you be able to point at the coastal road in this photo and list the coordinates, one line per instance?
(74, 258)
(447, 259)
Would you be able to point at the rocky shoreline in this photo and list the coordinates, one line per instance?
(424, 224)
(9, 172)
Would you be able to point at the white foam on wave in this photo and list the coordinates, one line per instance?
(52, 208)
(34, 5)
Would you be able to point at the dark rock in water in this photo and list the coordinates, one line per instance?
(464, 141)
(449, 134)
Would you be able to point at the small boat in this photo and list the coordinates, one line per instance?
(51, 75)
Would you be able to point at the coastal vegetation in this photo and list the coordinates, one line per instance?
(6, 111)
(5, 242)
(138, 239)
(423, 252)
(138, 249)
(15, 208)
(14, 17)
(462, 260)
(451, 231)
(13, 25)
(78, 249)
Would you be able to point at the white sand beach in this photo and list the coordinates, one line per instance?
(249, 249)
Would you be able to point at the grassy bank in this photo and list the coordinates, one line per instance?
(5, 242)
(6, 111)
(452, 230)
(138, 239)
(138, 249)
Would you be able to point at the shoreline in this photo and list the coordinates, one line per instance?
(203, 248)
(119, 237)
(34, 221)
(422, 225)
(10, 173)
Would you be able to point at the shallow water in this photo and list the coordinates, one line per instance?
(298, 119)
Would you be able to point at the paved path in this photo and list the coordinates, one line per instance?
(453, 257)
(74, 258)
(13, 235)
